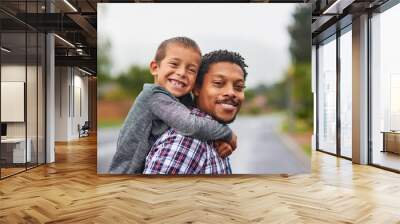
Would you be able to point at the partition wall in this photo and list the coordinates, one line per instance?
(48, 79)
(22, 76)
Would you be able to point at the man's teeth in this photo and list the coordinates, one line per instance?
(177, 83)
(228, 106)
(228, 103)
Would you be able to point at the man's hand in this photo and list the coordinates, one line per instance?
(233, 141)
(223, 148)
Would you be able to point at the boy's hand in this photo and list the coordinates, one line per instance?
(233, 141)
(223, 148)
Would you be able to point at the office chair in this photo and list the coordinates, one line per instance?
(84, 130)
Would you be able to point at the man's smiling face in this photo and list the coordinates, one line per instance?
(222, 91)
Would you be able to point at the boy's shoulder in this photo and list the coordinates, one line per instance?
(150, 88)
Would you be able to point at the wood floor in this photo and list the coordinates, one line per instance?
(70, 191)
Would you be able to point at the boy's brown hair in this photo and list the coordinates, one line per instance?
(185, 42)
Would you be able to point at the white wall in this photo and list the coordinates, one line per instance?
(62, 81)
(33, 125)
(12, 73)
(12, 101)
(71, 87)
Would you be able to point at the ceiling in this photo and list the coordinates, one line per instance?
(75, 21)
(330, 15)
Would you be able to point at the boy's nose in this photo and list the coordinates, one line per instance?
(181, 71)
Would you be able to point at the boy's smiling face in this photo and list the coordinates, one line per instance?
(177, 71)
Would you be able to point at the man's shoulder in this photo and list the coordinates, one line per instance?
(173, 134)
(196, 111)
(172, 137)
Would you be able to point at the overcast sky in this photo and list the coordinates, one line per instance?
(258, 31)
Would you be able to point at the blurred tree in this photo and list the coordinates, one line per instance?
(133, 79)
(277, 95)
(300, 33)
(249, 94)
(300, 102)
(293, 93)
(301, 93)
(104, 62)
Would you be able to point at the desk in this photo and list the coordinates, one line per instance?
(15, 148)
(391, 141)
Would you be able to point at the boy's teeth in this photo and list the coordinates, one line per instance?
(177, 84)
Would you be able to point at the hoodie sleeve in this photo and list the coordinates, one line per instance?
(179, 117)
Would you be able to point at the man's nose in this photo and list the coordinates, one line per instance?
(230, 91)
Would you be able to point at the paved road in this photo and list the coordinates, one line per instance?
(106, 145)
(261, 148)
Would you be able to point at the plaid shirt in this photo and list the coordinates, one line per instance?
(173, 153)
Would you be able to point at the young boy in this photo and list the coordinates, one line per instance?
(162, 105)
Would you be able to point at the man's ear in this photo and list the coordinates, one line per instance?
(153, 68)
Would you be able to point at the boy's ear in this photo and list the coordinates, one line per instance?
(153, 67)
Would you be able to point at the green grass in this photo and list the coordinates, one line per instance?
(297, 126)
(306, 149)
(110, 123)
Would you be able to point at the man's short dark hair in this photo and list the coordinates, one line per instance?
(183, 41)
(219, 56)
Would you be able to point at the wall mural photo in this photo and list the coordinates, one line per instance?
(204, 89)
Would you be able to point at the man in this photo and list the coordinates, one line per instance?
(219, 93)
